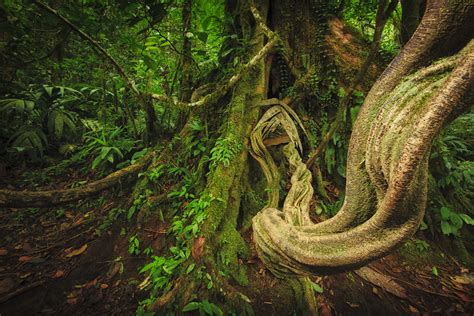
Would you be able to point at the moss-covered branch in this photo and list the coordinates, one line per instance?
(12, 198)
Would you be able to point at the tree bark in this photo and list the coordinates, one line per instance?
(412, 11)
(387, 164)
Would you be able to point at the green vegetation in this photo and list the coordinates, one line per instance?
(139, 115)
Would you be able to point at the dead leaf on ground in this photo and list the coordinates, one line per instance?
(413, 310)
(72, 301)
(463, 279)
(104, 286)
(115, 269)
(3, 252)
(25, 259)
(58, 274)
(91, 283)
(25, 275)
(77, 251)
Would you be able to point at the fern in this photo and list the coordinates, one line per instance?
(223, 152)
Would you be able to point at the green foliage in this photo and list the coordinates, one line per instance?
(184, 228)
(134, 245)
(112, 216)
(421, 245)
(451, 164)
(204, 308)
(224, 150)
(38, 116)
(361, 16)
(317, 288)
(330, 208)
(452, 222)
(108, 147)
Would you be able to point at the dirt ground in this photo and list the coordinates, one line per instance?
(74, 260)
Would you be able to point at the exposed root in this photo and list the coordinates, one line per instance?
(386, 198)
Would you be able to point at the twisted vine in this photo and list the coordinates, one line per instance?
(386, 182)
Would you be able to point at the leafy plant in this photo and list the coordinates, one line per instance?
(204, 308)
(317, 288)
(134, 245)
(223, 152)
(421, 245)
(38, 116)
(184, 228)
(108, 147)
(452, 222)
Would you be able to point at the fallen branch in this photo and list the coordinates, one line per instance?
(12, 198)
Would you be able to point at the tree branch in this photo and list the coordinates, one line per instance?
(85, 36)
(223, 88)
(207, 99)
(12, 198)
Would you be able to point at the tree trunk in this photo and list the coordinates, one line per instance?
(387, 165)
(412, 11)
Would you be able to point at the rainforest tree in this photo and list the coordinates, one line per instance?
(254, 121)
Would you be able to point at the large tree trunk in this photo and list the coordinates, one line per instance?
(387, 165)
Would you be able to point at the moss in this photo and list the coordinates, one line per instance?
(350, 277)
(411, 254)
(232, 249)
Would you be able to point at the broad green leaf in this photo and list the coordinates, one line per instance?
(445, 212)
(190, 268)
(191, 306)
(446, 228)
(467, 219)
(206, 306)
(317, 288)
(97, 161)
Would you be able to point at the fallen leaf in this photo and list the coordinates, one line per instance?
(72, 301)
(24, 259)
(463, 279)
(115, 269)
(77, 252)
(69, 214)
(25, 275)
(413, 310)
(3, 252)
(58, 274)
(91, 283)
(104, 286)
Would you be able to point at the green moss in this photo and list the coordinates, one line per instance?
(411, 254)
(232, 248)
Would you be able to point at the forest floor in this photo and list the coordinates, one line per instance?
(75, 260)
